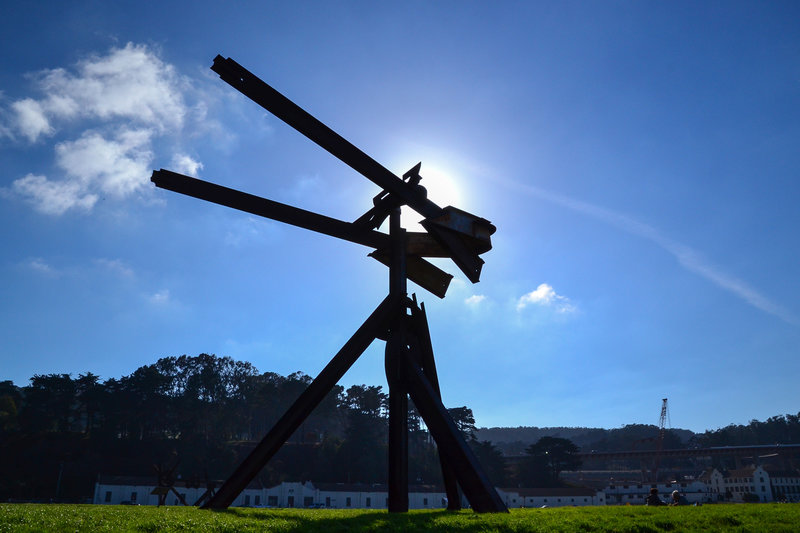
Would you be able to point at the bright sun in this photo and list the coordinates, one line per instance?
(442, 189)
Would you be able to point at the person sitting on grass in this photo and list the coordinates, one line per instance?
(653, 499)
(678, 499)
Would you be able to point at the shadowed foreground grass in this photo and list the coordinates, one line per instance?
(638, 519)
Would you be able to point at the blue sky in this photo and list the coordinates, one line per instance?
(639, 159)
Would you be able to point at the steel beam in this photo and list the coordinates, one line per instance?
(273, 101)
(420, 271)
(423, 348)
(476, 486)
(305, 404)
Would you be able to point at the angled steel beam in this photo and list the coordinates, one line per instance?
(306, 403)
(270, 99)
(474, 231)
(257, 205)
(422, 347)
(421, 272)
(476, 486)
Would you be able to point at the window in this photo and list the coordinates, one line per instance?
(585, 500)
(290, 501)
(424, 501)
(327, 501)
(133, 496)
(348, 502)
(258, 499)
(246, 500)
(368, 502)
(272, 501)
(308, 501)
(108, 496)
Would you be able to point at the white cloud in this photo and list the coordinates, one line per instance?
(544, 295)
(116, 266)
(130, 83)
(160, 298)
(53, 198)
(186, 164)
(37, 264)
(118, 167)
(475, 300)
(110, 109)
(30, 119)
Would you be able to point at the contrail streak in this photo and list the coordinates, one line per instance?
(690, 259)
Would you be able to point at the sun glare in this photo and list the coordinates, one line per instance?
(442, 189)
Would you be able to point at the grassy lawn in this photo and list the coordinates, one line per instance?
(745, 517)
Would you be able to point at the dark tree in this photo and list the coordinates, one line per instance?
(546, 460)
(464, 420)
(492, 460)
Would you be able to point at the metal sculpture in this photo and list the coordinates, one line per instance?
(398, 320)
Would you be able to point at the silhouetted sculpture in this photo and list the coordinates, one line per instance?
(398, 320)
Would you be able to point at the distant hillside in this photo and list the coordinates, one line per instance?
(513, 441)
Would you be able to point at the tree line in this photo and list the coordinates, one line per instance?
(202, 415)
(780, 429)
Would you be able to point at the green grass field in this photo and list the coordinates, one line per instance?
(746, 517)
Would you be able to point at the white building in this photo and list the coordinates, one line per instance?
(785, 485)
(116, 490)
(756, 483)
(635, 493)
(121, 490)
(551, 497)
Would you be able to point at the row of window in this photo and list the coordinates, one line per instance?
(653, 486)
(544, 500)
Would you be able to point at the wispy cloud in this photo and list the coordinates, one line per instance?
(111, 108)
(545, 296)
(475, 300)
(690, 259)
(39, 265)
(186, 164)
(116, 266)
(160, 298)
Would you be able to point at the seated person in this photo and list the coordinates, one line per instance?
(653, 499)
(678, 499)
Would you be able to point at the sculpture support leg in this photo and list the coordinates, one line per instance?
(396, 353)
(423, 347)
(398, 447)
(373, 327)
(476, 486)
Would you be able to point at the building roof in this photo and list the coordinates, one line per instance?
(526, 492)
(372, 487)
(774, 472)
(741, 472)
(152, 481)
